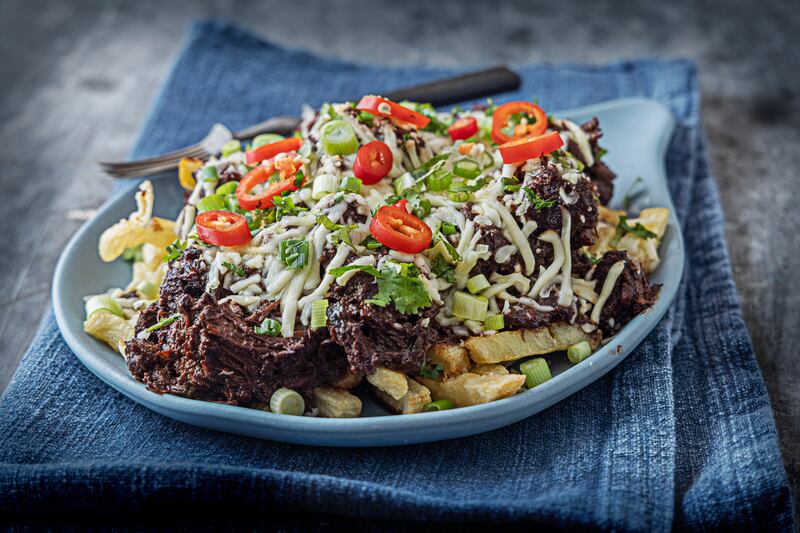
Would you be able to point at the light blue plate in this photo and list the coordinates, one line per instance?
(636, 134)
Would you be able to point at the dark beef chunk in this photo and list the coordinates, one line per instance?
(373, 336)
(583, 212)
(632, 293)
(521, 316)
(599, 173)
(213, 352)
(186, 275)
(603, 178)
(229, 173)
(493, 237)
(352, 216)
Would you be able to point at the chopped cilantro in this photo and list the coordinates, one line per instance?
(294, 253)
(537, 201)
(443, 270)
(285, 207)
(623, 227)
(431, 372)
(371, 243)
(175, 250)
(403, 288)
(342, 232)
(236, 269)
(511, 185)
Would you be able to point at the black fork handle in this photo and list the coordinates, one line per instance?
(468, 86)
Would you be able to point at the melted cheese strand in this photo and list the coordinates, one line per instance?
(305, 302)
(367, 260)
(565, 293)
(289, 300)
(547, 276)
(517, 237)
(608, 286)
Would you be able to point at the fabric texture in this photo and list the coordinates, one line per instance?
(680, 435)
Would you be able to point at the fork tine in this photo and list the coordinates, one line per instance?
(137, 166)
(175, 155)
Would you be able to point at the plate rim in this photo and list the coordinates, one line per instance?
(401, 429)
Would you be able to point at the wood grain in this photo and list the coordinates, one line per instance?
(79, 76)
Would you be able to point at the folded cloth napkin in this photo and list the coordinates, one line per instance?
(680, 435)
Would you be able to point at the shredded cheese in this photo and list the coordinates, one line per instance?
(517, 237)
(546, 277)
(608, 286)
(565, 293)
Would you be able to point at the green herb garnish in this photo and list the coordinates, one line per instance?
(537, 201)
(401, 287)
(431, 372)
(236, 269)
(623, 227)
(294, 253)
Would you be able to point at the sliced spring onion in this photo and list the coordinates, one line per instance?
(404, 182)
(438, 405)
(338, 138)
(467, 169)
(287, 402)
(268, 327)
(227, 188)
(439, 181)
(266, 138)
(147, 289)
(470, 307)
(350, 184)
(486, 160)
(210, 203)
(578, 352)
(476, 284)
(324, 184)
(163, 323)
(536, 372)
(209, 173)
(294, 253)
(319, 314)
(460, 196)
(448, 228)
(494, 322)
(103, 302)
(231, 147)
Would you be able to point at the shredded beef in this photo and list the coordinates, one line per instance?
(526, 317)
(583, 212)
(599, 173)
(373, 336)
(213, 352)
(632, 293)
(493, 237)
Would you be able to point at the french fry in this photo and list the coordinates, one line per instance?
(645, 251)
(512, 345)
(453, 358)
(337, 403)
(490, 370)
(413, 401)
(110, 328)
(393, 383)
(473, 389)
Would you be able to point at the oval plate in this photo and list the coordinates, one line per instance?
(636, 133)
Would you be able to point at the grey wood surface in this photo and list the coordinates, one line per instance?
(77, 78)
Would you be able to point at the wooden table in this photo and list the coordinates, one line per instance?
(77, 80)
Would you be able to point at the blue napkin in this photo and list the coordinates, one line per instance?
(679, 435)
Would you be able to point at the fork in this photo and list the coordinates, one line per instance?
(469, 86)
